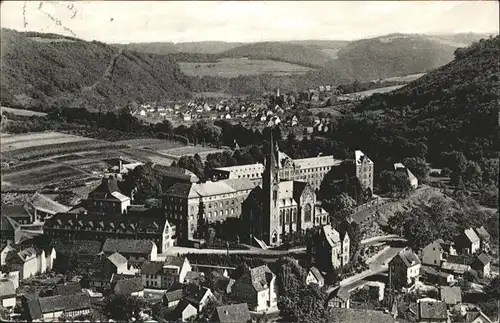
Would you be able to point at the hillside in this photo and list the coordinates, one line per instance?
(280, 51)
(40, 71)
(454, 107)
(204, 47)
(392, 55)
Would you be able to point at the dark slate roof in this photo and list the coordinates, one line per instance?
(8, 224)
(113, 223)
(194, 276)
(317, 274)
(349, 315)
(128, 286)
(151, 267)
(16, 211)
(7, 289)
(195, 293)
(432, 310)
(409, 257)
(81, 247)
(260, 277)
(128, 246)
(474, 314)
(69, 288)
(179, 189)
(298, 189)
(174, 295)
(482, 233)
(233, 313)
(174, 261)
(451, 295)
(106, 188)
(32, 307)
(64, 302)
(45, 204)
(460, 259)
(484, 259)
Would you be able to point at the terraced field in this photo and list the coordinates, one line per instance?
(27, 141)
(43, 176)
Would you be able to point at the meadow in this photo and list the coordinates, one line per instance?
(234, 67)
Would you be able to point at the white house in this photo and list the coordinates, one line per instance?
(257, 288)
(7, 294)
(398, 167)
(314, 276)
(435, 253)
(407, 264)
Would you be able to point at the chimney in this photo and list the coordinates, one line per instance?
(120, 167)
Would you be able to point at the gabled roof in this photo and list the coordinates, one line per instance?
(174, 261)
(43, 203)
(451, 295)
(456, 268)
(7, 289)
(331, 235)
(233, 313)
(195, 293)
(70, 288)
(474, 314)
(20, 212)
(64, 303)
(460, 259)
(471, 235)
(128, 246)
(117, 259)
(196, 190)
(151, 268)
(341, 293)
(8, 224)
(27, 254)
(349, 315)
(317, 274)
(408, 257)
(105, 190)
(432, 310)
(482, 233)
(174, 295)
(484, 259)
(82, 247)
(360, 157)
(259, 277)
(128, 286)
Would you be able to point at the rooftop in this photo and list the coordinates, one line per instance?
(128, 286)
(43, 203)
(7, 289)
(151, 267)
(451, 295)
(128, 246)
(428, 310)
(349, 315)
(233, 313)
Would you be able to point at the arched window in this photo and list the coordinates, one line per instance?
(307, 213)
(287, 218)
(281, 217)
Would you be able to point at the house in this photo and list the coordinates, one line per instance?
(152, 274)
(5, 251)
(9, 229)
(450, 295)
(69, 288)
(314, 276)
(50, 257)
(7, 294)
(19, 213)
(339, 298)
(186, 116)
(400, 168)
(233, 313)
(136, 251)
(436, 252)
(328, 248)
(454, 268)
(295, 121)
(175, 269)
(476, 316)
(194, 277)
(107, 198)
(256, 287)
(468, 241)
(118, 264)
(406, 264)
(482, 264)
(129, 286)
(53, 307)
(26, 261)
(84, 253)
(349, 315)
(172, 298)
(198, 296)
(484, 236)
(184, 311)
(432, 312)
(435, 276)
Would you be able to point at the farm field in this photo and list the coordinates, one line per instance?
(154, 143)
(379, 90)
(42, 176)
(16, 142)
(234, 67)
(406, 78)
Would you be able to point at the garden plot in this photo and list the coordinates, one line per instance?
(11, 143)
(43, 176)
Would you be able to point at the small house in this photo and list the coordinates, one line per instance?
(7, 294)
(450, 295)
(233, 313)
(468, 241)
(314, 276)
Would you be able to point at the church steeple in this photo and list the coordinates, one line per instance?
(270, 172)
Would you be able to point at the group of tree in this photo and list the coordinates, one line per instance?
(142, 183)
(441, 218)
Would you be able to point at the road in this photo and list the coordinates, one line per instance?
(175, 250)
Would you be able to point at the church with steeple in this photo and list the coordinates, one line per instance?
(279, 207)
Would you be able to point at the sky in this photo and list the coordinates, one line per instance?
(246, 21)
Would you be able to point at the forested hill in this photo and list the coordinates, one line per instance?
(40, 71)
(454, 107)
(392, 55)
